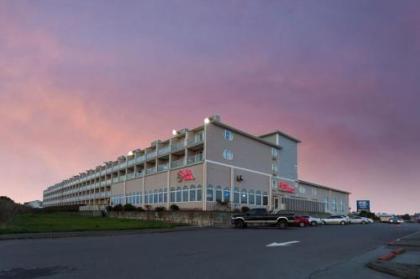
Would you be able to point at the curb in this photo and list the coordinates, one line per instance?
(53, 235)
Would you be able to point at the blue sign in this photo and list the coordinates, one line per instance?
(363, 205)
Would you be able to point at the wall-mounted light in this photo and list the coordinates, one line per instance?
(174, 132)
(206, 120)
(130, 153)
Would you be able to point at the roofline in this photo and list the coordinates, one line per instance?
(223, 125)
(322, 186)
(281, 133)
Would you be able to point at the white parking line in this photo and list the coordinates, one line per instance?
(281, 244)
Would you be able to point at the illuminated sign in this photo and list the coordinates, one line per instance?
(185, 175)
(363, 205)
(284, 187)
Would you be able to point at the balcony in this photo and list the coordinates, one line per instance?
(163, 167)
(130, 175)
(198, 138)
(178, 163)
(164, 150)
(177, 146)
(115, 179)
(150, 170)
(195, 159)
(151, 155)
(140, 159)
(140, 173)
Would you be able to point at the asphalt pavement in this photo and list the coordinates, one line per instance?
(314, 252)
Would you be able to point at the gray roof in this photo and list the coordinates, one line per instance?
(321, 186)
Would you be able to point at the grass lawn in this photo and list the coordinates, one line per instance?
(71, 222)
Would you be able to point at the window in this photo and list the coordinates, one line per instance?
(165, 195)
(236, 195)
(210, 193)
(274, 153)
(302, 190)
(228, 135)
(192, 193)
(258, 198)
(199, 193)
(226, 194)
(265, 198)
(172, 195)
(274, 168)
(178, 194)
(185, 194)
(218, 193)
(251, 197)
(155, 197)
(160, 195)
(146, 197)
(244, 197)
(227, 154)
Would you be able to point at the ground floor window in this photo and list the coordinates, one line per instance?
(210, 193)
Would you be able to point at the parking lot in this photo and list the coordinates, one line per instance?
(207, 253)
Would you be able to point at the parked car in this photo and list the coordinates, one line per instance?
(260, 216)
(336, 219)
(360, 220)
(301, 221)
(395, 220)
(314, 221)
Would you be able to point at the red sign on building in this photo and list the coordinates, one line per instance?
(283, 186)
(185, 175)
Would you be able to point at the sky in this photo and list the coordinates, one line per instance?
(83, 82)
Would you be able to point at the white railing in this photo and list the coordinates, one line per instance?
(195, 159)
(177, 146)
(163, 167)
(150, 170)
(164, 150)
(178, 163)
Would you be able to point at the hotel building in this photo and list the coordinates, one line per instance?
(210, 167)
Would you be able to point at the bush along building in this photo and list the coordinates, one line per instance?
(212, 167)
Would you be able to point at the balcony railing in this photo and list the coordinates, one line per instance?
(195, 158)
(177, 146)
(164, 150)
(140, 173)
(140, 159)
(151, 155)
(130, 175)
(163, 167)
(197, 139)
(177, 163)
(150, 170)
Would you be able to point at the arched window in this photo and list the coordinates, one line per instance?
(326, 204)
(219, 193)
(251, 197)
(155, 197)
(210, 193)
(226, 194)
(161, 195)
(244, 196)
(140, 197)
(146, 197)
(199, 193)
(265, 198)
(172, 195)
(185, 194)
(178, 194)
(165, 195)
(192, 193)
(236, 195)
(333, 205)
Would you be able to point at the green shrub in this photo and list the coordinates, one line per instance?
(117, 208)
(129, 207)
(160, 208)
(174, 207)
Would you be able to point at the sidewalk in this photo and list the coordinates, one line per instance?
(401, 258)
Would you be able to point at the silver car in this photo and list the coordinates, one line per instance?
(336, 220)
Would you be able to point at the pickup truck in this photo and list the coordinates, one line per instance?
(260, 216)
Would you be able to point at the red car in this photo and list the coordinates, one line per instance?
(301, 221)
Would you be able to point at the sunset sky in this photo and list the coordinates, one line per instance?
(82, 82)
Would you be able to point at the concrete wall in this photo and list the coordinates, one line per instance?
(195, 218)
